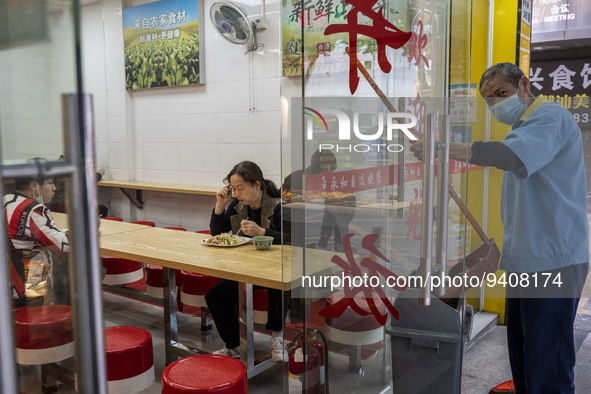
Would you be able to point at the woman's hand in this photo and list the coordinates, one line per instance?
(251, 229)
(221, 198)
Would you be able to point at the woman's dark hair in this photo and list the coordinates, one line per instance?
(322, 162)
(252, 173)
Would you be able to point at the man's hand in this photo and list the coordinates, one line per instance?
(457, 150)
(416, 148)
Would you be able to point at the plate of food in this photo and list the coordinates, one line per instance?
(225, 240)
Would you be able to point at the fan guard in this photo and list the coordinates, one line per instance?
(233, 25)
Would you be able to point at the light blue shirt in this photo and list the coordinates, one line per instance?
(544, 203)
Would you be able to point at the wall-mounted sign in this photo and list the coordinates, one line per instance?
(341, 32)
(554, 20)
(567, 82)
(524, 38)
(162, 44)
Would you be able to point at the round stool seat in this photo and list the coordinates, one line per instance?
(194, 287)
(206, 373)
(145, 223)
(176, 228)
(112, 218)
(351, 328)
(260, 305)
(130, 359)
(155, 280)
(121, 271)
(43, 334)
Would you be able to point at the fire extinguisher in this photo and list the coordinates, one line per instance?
(317, 340)
(304, 367)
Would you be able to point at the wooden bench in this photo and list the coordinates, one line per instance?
(140, 186)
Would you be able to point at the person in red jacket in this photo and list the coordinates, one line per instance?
(33, 233)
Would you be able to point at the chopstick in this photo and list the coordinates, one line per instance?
(238, 232)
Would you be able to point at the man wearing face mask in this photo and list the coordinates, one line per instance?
(32, 231)
(543, 208)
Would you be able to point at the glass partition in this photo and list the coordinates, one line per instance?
(377, 234)
(44, 126)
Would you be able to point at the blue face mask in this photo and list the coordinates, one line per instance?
(509, 110)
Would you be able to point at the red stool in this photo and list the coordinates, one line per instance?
(130, 359)
(113, 218)
(155, 280)
(145, 223)
(351, 328)
(260, 305)
(121, 271)
(203, 232)
(194, 287)
(176, 228)
(206, 373)
(43, 334)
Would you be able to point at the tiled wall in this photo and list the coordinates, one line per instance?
(33, 76)
(190, 134)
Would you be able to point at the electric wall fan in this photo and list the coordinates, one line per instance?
(233, 24)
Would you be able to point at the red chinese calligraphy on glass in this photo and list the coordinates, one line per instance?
(384, 32)
(352, 269)
(417, 44)
(419, 109)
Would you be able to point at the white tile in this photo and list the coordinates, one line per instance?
(121, 174)
(160, 129)
(99, 103)
(101, 129)
(117, 129)
(118, 156)
(115, 78)
(234, 96)
(199, 157)
(162, 156)
(161, 176)
(199, 128)
(235, 153)
(267, 93)
(232, 65)
(269, 159)
(235, 128)
(137, 157)
(267, 64)
(196, 212)
(116, 103)
(101, 151)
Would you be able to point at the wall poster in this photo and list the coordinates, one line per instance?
(162, 42)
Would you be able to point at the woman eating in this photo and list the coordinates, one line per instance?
(254, 209)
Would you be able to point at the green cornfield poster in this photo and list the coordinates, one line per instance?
(162, 42)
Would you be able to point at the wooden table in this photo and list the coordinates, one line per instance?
(106, 227)
(182, 250)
